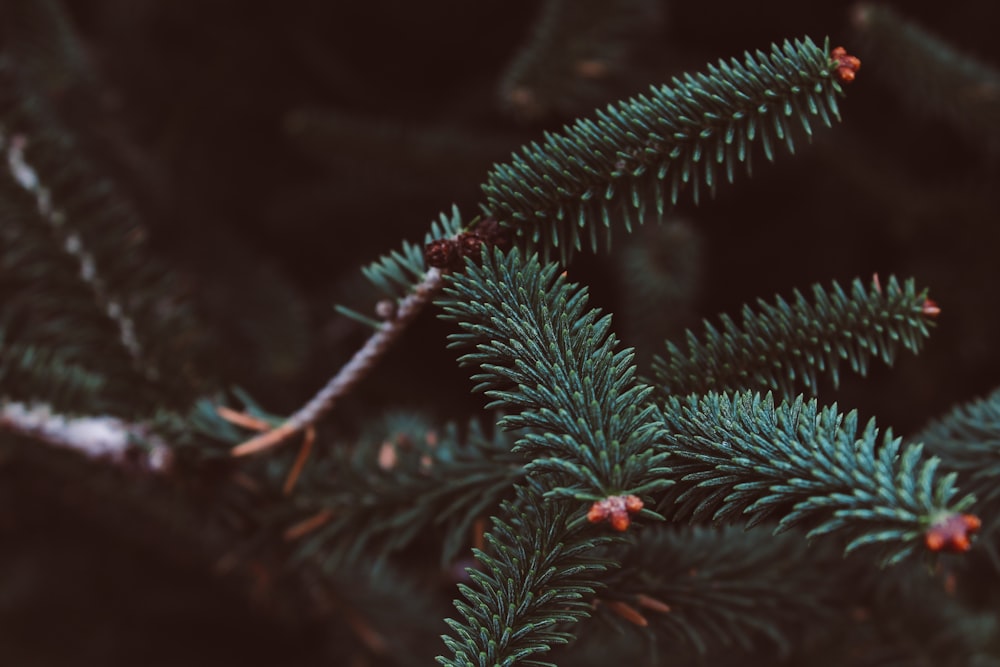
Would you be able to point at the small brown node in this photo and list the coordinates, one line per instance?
(953, 534)
(846, 65)
(616, 510)
(442, 254)
(449, 253)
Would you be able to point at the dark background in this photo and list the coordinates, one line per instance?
(275, 148)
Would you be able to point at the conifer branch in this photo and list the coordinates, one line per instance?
(785, 345)
(101, 438)
(353, 371)
(638, 154)
(534, 577)
(742, 455)
(26, 176)
(587, 435)
(542, 354)
(407, 278)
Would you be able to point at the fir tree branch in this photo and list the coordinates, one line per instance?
(102, 438)
(353, 371)
(532, 579)
(648, 148)
(542, 354)
(587, 435)
(105, 305)
(785, 345)
(25, 175)
(742, 455)
(406, 277)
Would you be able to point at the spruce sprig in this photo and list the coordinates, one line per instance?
(742, 455)
(106, 305)
(545, 357)
(647, 149)
(784, 346)
(534, 578)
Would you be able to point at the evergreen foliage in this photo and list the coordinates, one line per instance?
(812, 532)
(104, 309)
(742, 455)
(784, 346)
(525, 588)
(540, 352)
(639, 154)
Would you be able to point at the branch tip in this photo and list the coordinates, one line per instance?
(952, 534)
(615, 510)
(846, 65)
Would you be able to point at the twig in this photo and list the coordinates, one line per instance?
(353, 371)
(100, 438)
(25, 175)
(300, 461)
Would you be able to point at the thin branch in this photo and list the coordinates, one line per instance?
(353, 371)
(27, 177)
(101, 438)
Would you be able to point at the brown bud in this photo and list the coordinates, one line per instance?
(442, 254)
(846, 65)
(952, 534)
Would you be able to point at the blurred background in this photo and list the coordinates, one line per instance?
(273, 149)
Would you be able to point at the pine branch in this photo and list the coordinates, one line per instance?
(533, 578)
(588, 436)
(542, 355)
(744, 456)
(403, 275)
(785, 345)
(931, 74)
(648, 148)
(105, 306)
(101, 438)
